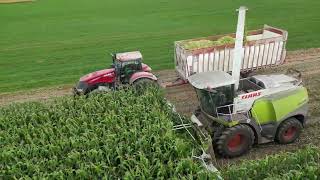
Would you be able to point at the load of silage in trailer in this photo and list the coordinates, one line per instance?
(204, 43)
(115, 135)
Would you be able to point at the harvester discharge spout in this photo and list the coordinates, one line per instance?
(238, 50)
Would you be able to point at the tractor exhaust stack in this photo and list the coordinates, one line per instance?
(238, 49)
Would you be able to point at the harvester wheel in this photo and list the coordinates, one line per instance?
(288, 131)
(218, 129)
(235, 141)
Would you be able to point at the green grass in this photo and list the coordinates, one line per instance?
(52, 42)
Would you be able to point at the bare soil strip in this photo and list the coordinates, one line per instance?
(14, 1)
(42, 94)
(299, 55)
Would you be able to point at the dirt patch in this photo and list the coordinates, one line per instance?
(42, 94)
(14, 1)
(302, 54)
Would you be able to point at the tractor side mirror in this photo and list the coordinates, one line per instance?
(113, 57)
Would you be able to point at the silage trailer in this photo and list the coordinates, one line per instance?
(263, 48)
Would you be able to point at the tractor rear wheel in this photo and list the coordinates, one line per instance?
(143, 83)
(288, 131)
(235, 141)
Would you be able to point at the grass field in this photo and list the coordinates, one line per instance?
(14, 1)
(47, 43)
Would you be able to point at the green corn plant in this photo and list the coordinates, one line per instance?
(123, 134)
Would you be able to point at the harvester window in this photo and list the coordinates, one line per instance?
(261, 84)
(206, 101)
(249, 85)
(214, 98)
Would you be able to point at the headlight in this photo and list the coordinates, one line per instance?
(108, 75)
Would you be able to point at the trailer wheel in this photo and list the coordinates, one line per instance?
(288, 131)
(235, 141)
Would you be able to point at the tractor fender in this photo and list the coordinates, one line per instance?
(139, 75)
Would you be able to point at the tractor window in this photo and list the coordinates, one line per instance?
(131, 65)
(128, 68)
(211, 99)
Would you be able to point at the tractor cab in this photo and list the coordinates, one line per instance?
(126, 64)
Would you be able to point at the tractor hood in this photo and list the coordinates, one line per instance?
(96, 74)
(146, 68)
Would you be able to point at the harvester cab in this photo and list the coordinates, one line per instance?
(238, 113)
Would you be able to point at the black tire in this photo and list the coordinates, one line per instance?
(288, 131)
(143, 83)
(90, 90)
(217, 131)
(235, 141)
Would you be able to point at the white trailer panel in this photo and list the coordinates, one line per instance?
(263, 48)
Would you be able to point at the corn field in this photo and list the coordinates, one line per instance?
(303, 164)
(116, 135)
(119, 135)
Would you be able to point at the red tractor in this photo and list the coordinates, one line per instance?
(127, 69)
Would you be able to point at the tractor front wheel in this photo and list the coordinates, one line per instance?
(235, 141)
(288, 131)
